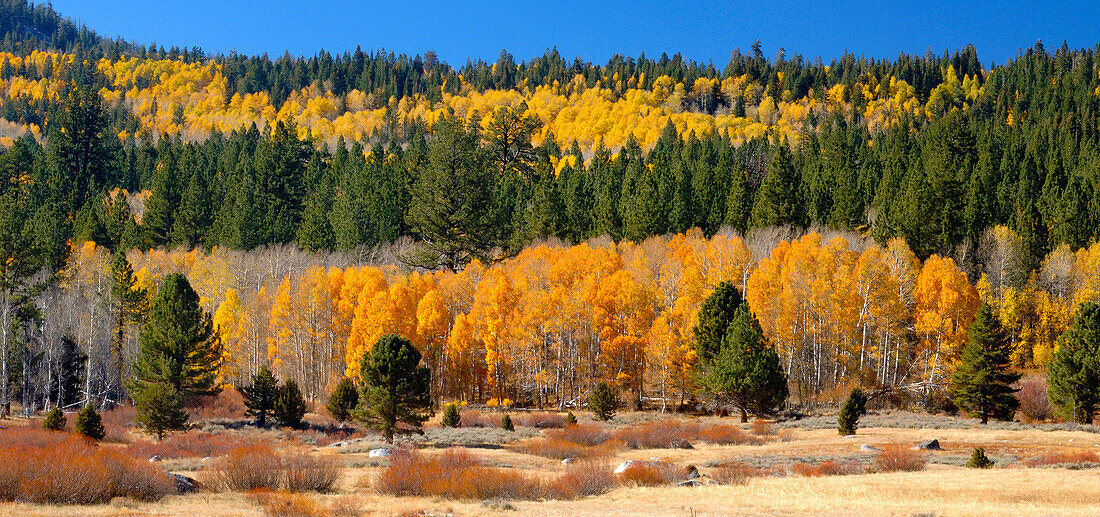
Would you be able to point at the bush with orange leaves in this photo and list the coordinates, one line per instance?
(254, 467)
(652, 473)
(899, 458)
(1063, 458)
(456, 474)
(194, 444)
(67, 469)
(573, 441)
(826, 468)
(736, 473)
(286, 504)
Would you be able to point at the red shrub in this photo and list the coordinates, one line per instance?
(74, 471)
(727, 435)
(117, 423)
(762, 427)
(477, 419)
(227, 405)
(581, 479)
(584, 434)
(651, 473)
(1063, 458)
(541, 420)
(899, 458)
(245, 468)
(455, 474)
(826, 468)
(659, 434)
(735, 473)
(286, 504)
(560, 449)
(1034, 404)
(310, 472)
(194, 444)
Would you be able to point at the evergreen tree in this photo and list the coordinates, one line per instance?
(1073, 375)
(746, 370)
(344, 400)
(259, 395)
(570, 418)
(714, 318)
(451, 416)
(982, 383)
(160, 409)
(89, 423)
(55, 420)
(396, 389)
(289, 407)
(178, 343)
(602, 401)
(779, 199)
(127, 306)
(848, 420)
(506, 423)
(451, 209)
(978, 460)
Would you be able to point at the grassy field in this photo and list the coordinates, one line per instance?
(1017, 485)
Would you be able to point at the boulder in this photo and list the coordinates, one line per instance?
(928, 445)
(567, 461)
(692, 472)
(680, 444)
(626, 465)
(380, 453)
(156, 457)
(849, 436)
(184, 484)
(868, 448)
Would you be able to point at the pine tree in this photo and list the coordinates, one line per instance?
(982, 383)
(89, 423)
(978, 460)
(451, 416)
(128, 305)
(848, 420)
(779, 200)
(396, 389)
(290, 407)
(746, 371)
(344, 400)
(570, 419)
(55, 420)
(160, 409)
(259, 395)
(1073, 375)
(506, 423)
(602, 401)
(178, 344)
(714, 318)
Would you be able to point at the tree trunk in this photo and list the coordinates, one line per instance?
(744, 416)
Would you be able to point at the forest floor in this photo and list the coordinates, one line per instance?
(1017, 485)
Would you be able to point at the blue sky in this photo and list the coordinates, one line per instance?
(458, 30)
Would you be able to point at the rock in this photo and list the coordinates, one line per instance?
(849, 436)
(627, 464)
(695, 482)
(339, 444)
(679, 444)
(567, 461)
(868, 448)
(184, 484)
(156, 457)
(929, 445)
(380, 453)
(205, 459)
(692, 472)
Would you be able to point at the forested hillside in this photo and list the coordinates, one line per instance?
(535, 226)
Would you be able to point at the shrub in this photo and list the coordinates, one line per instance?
(55, 420)
(735, 473)
(560, 449)
(451, 416)
(848, 420)
(602, 401)
(117, 423)
(727, 435)
(762, 428)
(589, 434)
(226, 405)
(580, 479)
(899, 458)
(286, 504)
(659, 434)
(193, 444)
(88, 423)
(651, 473)
(1034, 403)
(506, 423)
(344, 400)
(570, 419)
(290, 407)
(248, 467)
(826, 468)
(978, 460)
(310, 472)
(477, 419)
(1064, 458)
(259, 467)
(542, 420)
(55, 468)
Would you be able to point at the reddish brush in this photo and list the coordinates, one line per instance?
(659, 434)
(825, 468)
(735, 473)
(193, 444)
(728, 435)
(1063, 458)
(899, 458)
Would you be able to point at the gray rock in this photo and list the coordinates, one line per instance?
(849, 436)
(156, 457)
(928, 445)
(184, 484)
(380, 453)
(692, 472)
(679, 444)
(868, 448)
(567, 461)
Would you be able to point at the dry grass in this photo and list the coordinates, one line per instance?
(286, 504)
(827, 468)
(899, 458)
